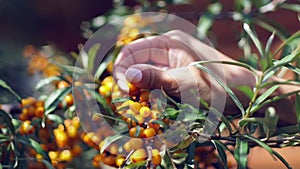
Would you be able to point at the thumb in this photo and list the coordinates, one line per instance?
(148, 76)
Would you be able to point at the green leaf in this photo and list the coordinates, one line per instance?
(246, 90)
(46, 81)
(6, 87)
(240, 153)
(183, 144)
(269, 149)
(263, 97)
(271, 120)
(55, 98)
(55, 118)
(102, 67)
(171, 113)
(274, 99)
(8, 120)
(221, 151)
(225, 87)
(254, 39)
(137, 165)
(33, 144)
(292, 7)
(99, 99)
(267, 49)
(92, 53)
(160, 122)
(297, 105)
(48, 164)
(120, 99)
(256, 120)
(282, 159)
(109, 140)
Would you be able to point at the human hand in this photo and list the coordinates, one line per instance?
(163, 61)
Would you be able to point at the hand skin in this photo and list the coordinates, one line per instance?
(163, 61)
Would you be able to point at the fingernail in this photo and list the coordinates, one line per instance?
(123, 86)
(133, 75)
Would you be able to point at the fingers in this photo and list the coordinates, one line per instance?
(150, 49)
(148, 76)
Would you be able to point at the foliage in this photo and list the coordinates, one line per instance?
(48, 132)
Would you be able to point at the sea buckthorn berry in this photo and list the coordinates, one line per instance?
(154, 114)
(136, 131)
(62, 84)
(39, 112)
(107, 80)
(154, 125)
(39, 157)
(76, 149)
(104, 90)
(65, 155)
(113, 149)
(144, 97)
(140, 119)
(148, 132)
(27, 101)
(53, 155)
(138, 155)
(69, 99)
(131, 122)
(133, 144)
(135, 106)
(110, 66)
(109, 160)
(26, 127)
(145, 111)
(156, 158)
(72, 131)
(61, 138)
(76, 122)
(119, 161)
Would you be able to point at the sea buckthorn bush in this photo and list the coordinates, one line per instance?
(50, 130)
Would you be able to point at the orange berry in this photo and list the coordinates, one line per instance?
(76, 122)
(135, 106)
(39, 112)
(113, 149)
(149, 132)
(39, 157)
(76, 149)
(26, 127)
(110, 66)
(144, 97)
(156, 158)
(104, 90)
(133, 144)
(62, 84)
(119, 161)
(72, 131)
(109, 160)
(138, 155)
(153, 125)
(60, 137)
(133, 132)
(107, 80)
(69, 99)
(53, 155)
(65, 155)
(27, 101)
(145, 111)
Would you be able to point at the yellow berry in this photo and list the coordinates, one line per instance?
(149, 132)
(156, 158)
(138, 155)
(145, 111)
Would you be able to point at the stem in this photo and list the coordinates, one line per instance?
(255, 95)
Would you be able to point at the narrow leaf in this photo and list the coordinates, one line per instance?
(92, 53)
(221, 151)
(102, 67)
(46, 81)
(55, 98)
(8, 120)
(254, 39)
(240, 153)
(246, 90)
(109, 140)
(120, 99)
(225, 87)
(8, 88)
